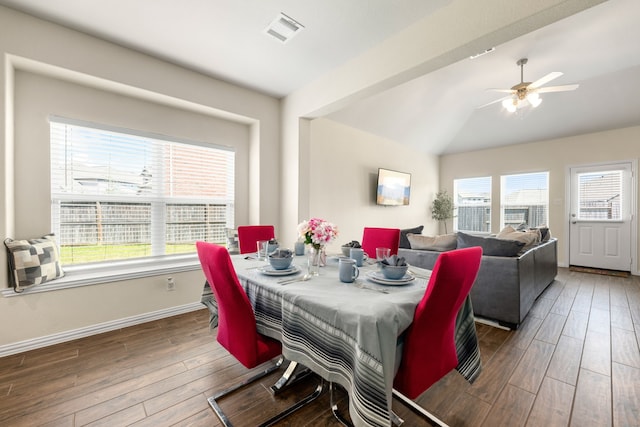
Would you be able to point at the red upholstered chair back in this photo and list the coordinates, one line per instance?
(248, 235)
(236, 319)
(429, 351)
(375, 237)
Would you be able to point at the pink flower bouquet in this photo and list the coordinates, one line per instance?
(317, 232)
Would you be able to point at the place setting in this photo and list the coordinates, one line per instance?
(393, 271)
(280, 263)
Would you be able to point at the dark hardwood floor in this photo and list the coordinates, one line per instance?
(573, 362)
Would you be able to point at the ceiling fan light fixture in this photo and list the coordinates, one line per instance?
(510, 104)
(534, 99)
(528, 93)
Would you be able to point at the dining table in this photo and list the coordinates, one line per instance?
(348, 333)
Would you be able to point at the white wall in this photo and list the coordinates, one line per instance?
(37, 97)
(554, 156)
(282, 188)
(455, 30)
(343, 168)
(44, 69)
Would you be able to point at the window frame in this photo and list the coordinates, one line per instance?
(126, 269)
(487, 205)
(161, 195)
(503, 194)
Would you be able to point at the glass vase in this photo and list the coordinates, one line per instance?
(317, 258)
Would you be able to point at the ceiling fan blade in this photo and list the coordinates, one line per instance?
(493, 89)
(564, 88)
(494, 102)
(545, 79)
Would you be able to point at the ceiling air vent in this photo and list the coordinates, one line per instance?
(283, 28)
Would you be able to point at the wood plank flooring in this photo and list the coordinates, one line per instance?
(575, 361)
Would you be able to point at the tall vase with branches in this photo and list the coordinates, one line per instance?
(442, 208)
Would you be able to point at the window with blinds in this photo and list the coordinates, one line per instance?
(524, 200)
(119, 194)
(472, 204)
(600, 195)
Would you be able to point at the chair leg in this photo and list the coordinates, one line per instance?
(395, 419)
(334, 409)
(418, 409)
(291, 409)
(213, 400)
(284, 379)
(290, 376)
(219, 395)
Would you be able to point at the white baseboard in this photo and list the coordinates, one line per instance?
(32, 344)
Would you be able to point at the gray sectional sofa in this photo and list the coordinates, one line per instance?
(506, 286)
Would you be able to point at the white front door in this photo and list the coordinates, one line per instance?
(600, 222)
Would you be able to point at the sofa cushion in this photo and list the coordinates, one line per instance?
(404, 242)
(545, 234)
(442, 243)
(490, 245)
(530, 237)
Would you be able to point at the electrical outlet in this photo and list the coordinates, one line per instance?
(171, 284)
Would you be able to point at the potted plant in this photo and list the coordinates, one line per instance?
(442, 208)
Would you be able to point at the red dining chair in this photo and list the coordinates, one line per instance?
(248, 235)
(375, 237)
(237, 330)
(429, 349)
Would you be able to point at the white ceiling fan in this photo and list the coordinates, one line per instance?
(528, 93)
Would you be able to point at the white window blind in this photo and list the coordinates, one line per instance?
(472, 204)
(120, 194)
(600, 195)
(524, 199)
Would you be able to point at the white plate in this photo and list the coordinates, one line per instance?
(378, 277)
(270, 271)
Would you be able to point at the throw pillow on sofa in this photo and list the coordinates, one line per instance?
(490, 245)
(404, 241)
(442, 243)
(545, 234)
(529, 237)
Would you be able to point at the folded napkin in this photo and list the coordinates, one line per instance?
(394, 260)
(281, 253)
(353, 244)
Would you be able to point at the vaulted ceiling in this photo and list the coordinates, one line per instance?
(437, 113)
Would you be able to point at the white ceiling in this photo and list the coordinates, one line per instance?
(437, 113)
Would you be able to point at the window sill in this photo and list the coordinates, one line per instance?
(87, 275)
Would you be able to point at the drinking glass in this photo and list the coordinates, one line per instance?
(263, 246)
(382, 253)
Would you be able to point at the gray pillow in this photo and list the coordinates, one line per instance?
(545, 234)
(404, 242)
(33, 261)
(442, 243)
(490, 245)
